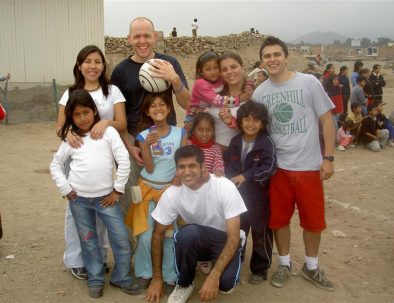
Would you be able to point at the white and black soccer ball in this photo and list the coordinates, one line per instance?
(151, 84)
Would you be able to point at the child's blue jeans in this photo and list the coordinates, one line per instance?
(84, 212)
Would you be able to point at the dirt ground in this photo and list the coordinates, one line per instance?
(356, 250)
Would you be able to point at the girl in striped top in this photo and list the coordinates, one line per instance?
(202, 134)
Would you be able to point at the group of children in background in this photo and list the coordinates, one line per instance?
(366, 122)
(249, 162)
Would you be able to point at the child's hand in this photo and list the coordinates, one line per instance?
(152, 138)
(218, 173)
(225, 115)
(74, 141)
(111, 199)
(245, 96)
(238, 180)
(71, 196)
(98, 129)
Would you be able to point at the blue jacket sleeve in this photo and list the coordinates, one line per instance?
(265, 166)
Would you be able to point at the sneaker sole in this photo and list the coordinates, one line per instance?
(78, 277)
(305, 276)
(230, 291)
(278, 284)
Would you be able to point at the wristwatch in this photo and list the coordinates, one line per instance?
(329, 158)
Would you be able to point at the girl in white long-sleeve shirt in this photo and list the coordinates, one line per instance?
(90, 190)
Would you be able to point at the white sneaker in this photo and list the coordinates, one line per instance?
(390, 143)
(352, 146)
(180, 294)
(341, 148)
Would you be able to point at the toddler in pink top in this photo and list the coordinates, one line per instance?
(207, 88)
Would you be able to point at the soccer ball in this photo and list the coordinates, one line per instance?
(150, 83)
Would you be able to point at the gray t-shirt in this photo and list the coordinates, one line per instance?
(295, 107)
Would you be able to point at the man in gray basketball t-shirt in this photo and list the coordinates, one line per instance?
(296, 103)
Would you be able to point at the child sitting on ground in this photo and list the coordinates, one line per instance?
(344, 138)
(373, 137)
(355, 117)
(384, 123)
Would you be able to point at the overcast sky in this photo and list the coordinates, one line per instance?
(288, 19)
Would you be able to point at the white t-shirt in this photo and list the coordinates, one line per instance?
(223, 133)
(210, 205)
(105, 106)
(295, 107)
(92, 166)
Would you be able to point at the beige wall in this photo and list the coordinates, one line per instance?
(40, 39)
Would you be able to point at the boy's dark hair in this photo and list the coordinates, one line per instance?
(371, 106)
(271, 40)
(78, 97)
(254, 109)
(147, 121)
(375, 66)
(353, 106)
(189, 151)
(358, 65)
(360, 78)
(201, 117)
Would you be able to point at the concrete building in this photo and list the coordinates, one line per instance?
(40, 39)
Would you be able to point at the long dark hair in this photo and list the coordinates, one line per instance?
(78, 97)
(147, 121)
(236, 57)
(201, 117)
(79, 80)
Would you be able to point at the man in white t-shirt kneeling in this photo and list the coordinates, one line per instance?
(211, 207)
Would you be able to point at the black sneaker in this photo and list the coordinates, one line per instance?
(95, 291)
(79, 273)
(133, 289)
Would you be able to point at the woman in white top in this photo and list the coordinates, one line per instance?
(233, 73)
(90, 74)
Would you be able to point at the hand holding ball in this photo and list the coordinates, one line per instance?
(150, 83)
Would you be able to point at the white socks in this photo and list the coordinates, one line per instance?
(285, 260)
(311, 262)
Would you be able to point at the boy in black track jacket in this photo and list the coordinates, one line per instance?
(250, 161)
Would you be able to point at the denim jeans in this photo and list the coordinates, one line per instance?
(84, 212)
(72, 256)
